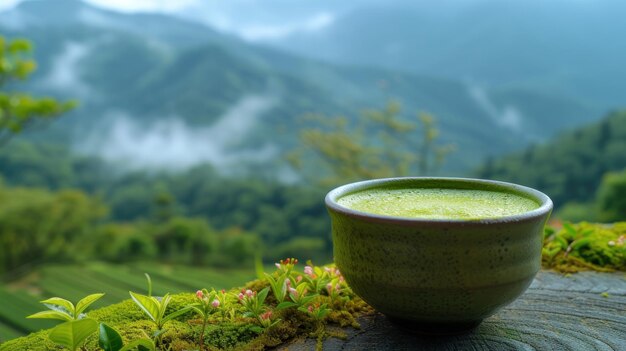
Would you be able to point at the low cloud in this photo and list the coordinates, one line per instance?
(508, 117)
(171, 144)
(64, 73)
(273, 31)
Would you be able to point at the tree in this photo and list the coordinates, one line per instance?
(378, 144)
(611, 197)
(20, 110)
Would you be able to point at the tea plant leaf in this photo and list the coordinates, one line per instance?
(148, 304)
(72, 334)
(141, 344)
(57, 301)
(109, 339)
(85, 302)
(51, 315)
(176, 314)
(263, 294)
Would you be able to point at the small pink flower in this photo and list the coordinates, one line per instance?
(240, 296)
(249, 293)
(199, 294)
(329, 287)
(293, 291)
(215, 303)
(298, 279)
(288, 282)
(277, 265)
(223, 291)
(308, 270)
(310, 309)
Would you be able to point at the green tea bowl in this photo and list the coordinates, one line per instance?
(437, 276)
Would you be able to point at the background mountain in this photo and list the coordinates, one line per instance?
(562, 47)
(571, 167)
(146, 81)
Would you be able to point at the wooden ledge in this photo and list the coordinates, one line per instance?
(584, 311)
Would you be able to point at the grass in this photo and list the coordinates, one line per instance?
(21, 298)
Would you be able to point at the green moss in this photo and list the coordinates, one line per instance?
(234, 335)
(586, 246)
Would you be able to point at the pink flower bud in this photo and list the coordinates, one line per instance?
(267, 315)
(240, 296)
(329, 287)
(199, 294)
(308, 270)
(298, 279)
(310, 309)
(293, 291)
(223, 291)
(277, 265)
(288, 282)
(215, 303)
(249, 293)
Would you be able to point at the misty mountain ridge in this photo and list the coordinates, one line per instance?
(560, 47)
(147, 97)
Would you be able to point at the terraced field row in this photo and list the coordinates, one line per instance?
(21, 298)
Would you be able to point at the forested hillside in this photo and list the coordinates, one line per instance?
(571, 167)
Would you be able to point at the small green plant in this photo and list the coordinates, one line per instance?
(299, 296)
(254, 307)
(62, 309)
(77, 327)
(155, 308)
(280, 280)
(208, 303)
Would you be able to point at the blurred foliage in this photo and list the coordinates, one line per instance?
(380, 144)
(38, 226)
(197, 217)
(583, 246)
(19, 110)
(571, 167)
(611, 197)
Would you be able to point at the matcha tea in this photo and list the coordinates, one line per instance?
(438, 203)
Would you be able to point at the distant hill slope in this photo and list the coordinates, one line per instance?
(570, 167)
(138, 73)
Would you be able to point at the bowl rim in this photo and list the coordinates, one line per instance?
(545, 203)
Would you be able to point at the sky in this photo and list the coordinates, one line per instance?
(253, 20)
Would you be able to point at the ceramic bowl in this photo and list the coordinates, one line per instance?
(437, 275)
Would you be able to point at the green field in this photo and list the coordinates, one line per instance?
(21, 297)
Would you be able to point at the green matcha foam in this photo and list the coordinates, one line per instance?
(438, 203)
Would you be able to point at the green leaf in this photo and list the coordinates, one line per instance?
(73, 334)
(140, 344)
(85, 302)
(262, 295)
(176, 313)
(110, 339)
(57, 301)
(51, 315)
(148, 304)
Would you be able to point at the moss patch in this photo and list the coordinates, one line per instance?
(585, 246)
(237, 334)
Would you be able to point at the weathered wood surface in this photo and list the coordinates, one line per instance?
(555, 313)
